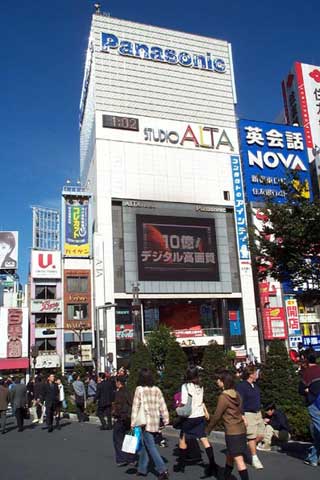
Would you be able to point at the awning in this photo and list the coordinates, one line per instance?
(14, 363)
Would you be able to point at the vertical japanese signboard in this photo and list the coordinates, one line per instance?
(293, 317)
(269, 152)
(77, 235)
(240, 211)
(273, 318)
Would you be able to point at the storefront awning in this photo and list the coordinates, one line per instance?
(14, 363)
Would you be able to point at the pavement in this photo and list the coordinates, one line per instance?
(81, 451)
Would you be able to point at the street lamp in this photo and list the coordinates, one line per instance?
(34, 352)
(107, 306)
(136, 314)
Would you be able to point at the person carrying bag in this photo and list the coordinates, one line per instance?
(148, 405)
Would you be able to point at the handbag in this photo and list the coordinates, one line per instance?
(186, 410)
(141, 419)
(130, 443)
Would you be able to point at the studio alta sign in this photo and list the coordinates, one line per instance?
(110, 41)
(193, 136)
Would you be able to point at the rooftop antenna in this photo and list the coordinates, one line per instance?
(97, 7)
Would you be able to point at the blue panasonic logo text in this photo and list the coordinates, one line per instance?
(164, 55)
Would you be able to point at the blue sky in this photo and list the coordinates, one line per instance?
(42, 55)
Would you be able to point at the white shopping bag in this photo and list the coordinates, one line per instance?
(130, 444)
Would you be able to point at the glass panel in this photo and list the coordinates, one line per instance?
(40, 291)
(83, 284)
(78, 312)
(51, 292)
(51, 344)
(41, 344)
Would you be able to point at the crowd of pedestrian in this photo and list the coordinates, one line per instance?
(249, 426)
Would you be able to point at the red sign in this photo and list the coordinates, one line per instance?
(194, 332)
(274, 323)
(124, 331)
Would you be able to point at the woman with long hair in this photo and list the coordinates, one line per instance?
(149, 398)
(229, 410)
(194, 424)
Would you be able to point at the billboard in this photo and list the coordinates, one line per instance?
(176, 248)
(293, 316)
(301, 96)
(76, 241)
(45, 264)
(274, 323)
(14, 333)
(240, 210)
(8, 250)
(269, 152)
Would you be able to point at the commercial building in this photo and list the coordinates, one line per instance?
(160, 154)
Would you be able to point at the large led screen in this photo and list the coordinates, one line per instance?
(177, 248)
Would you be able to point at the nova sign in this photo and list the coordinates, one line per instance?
(160, 54)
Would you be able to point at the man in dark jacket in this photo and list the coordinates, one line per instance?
(122, 414)
(18, 399)
(276, 427)
(51, 399)
(104, 398)
(4, 400)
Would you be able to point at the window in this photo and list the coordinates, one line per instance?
(45, 320)
(46, 344)
(45, 292)
(77, 284)
(78, 312)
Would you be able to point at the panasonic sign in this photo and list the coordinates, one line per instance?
(109, 41)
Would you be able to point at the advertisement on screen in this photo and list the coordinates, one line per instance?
(8, 250)
(172, 248)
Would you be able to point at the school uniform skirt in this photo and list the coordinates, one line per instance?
(194, 427)
(236, 444)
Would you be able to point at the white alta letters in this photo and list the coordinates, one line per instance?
(273, 159)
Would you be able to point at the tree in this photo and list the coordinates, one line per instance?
(175, 367)
(288, 246)
(158, 343)
(279, 381)
(140, 359)
(214, 359)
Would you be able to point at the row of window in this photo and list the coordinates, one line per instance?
(73, 285)
(74, 312)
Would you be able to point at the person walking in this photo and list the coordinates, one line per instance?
(121, 410)
(80, 398)
(310, 387)
(251, 407)
(104, 398)
(18, 399)
(51, 400)
(38, 395)
(92, 389)
(4, 400)
(149, 398)
(60, 402)
(229, 409)
(194, 425)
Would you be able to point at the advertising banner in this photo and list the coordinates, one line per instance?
(301, 95)
(234, 322)
(77, 242)
(14, 333)
(124, 332)
(293, 317)
(8, 250)
(274, 323)
(173, 248)
(45, 264)
(311, 341)
(46, 306)
(269, 152)
(240, 209)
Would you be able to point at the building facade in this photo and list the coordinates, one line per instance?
(159, 151)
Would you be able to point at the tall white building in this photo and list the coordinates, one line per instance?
(159, 152)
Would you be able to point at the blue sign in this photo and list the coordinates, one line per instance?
(240, 209)
(311, 341)
(269, 152)
(161, 54)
